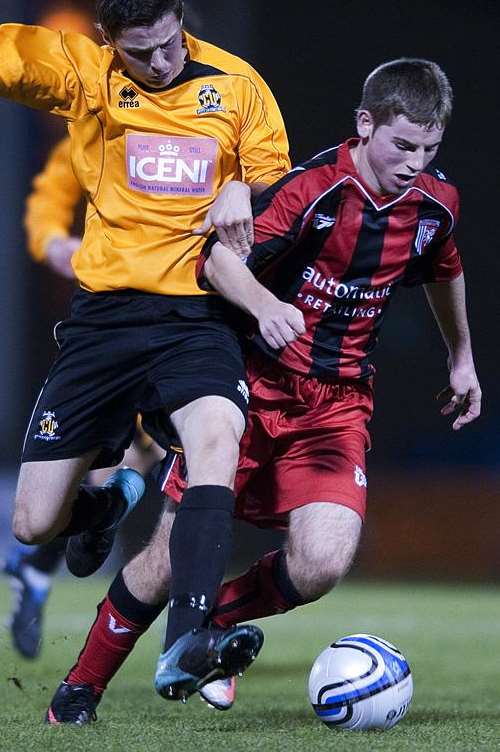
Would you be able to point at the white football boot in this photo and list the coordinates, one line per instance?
(220, 694)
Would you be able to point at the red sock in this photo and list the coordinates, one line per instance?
(109, 642)
(264, 590)
(112, 637)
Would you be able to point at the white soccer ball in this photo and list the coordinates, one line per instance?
(360, 682)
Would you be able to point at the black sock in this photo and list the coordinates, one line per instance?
(200, 545)
(46, 557)
(94, 508)
(283, 581)
(127, 604)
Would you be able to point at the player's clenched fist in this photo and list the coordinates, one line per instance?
(280, 323)
(59, 253)
(231, 216)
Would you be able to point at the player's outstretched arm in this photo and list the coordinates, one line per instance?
(279, 323)
(447, 301)
(45, 69)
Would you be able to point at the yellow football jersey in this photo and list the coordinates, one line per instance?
(51, 206)
(150, 163)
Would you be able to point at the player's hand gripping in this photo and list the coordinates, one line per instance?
(280, 323)
(59, 253)
(231, 216)
(463, 395)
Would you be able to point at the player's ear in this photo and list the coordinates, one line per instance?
(105, 36)
(364, 124)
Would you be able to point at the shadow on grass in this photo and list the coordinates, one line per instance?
(251, 716)
(416, 717)
(289, 669)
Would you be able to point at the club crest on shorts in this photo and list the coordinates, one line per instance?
(210, 100)
(427, 228)
(360, 477)
(48, 427)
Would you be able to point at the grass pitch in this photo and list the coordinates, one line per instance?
(449, 634)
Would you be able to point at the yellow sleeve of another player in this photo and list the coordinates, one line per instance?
(49, 70)
(263, 145)
(50, 207)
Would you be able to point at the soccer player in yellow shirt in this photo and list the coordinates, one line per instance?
(169, 134)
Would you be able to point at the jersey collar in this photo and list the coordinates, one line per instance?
(347, 166)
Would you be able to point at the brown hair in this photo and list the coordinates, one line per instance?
(417, 89)
(116, 15)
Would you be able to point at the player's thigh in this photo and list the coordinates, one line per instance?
(140, 457)
(210, 429)
(45, 495)
(323, 538)
(88, 399)
(199, 397)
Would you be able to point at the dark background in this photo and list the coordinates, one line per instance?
(315, 57)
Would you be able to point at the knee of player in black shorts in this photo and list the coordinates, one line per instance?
(31, 531)
(212, 458)
(210, 430)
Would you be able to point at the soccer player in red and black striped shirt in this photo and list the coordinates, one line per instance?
(333, 241)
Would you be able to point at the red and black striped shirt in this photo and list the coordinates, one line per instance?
(326, 243)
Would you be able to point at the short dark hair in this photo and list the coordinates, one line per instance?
(415, 88)
(116, 15)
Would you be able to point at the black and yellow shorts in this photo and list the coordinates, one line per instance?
(128, 352)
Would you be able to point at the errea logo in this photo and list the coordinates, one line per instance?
(128, 98)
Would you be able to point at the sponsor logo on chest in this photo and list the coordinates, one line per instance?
(171, 164)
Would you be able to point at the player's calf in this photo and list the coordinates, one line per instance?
(322, 542)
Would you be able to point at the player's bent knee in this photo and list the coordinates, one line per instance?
(213, 461)
(224, 453)
(28, 533)
(321, 586)
(316, 573)
(222, 441)
(311, 590)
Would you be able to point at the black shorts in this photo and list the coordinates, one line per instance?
(128, 352)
